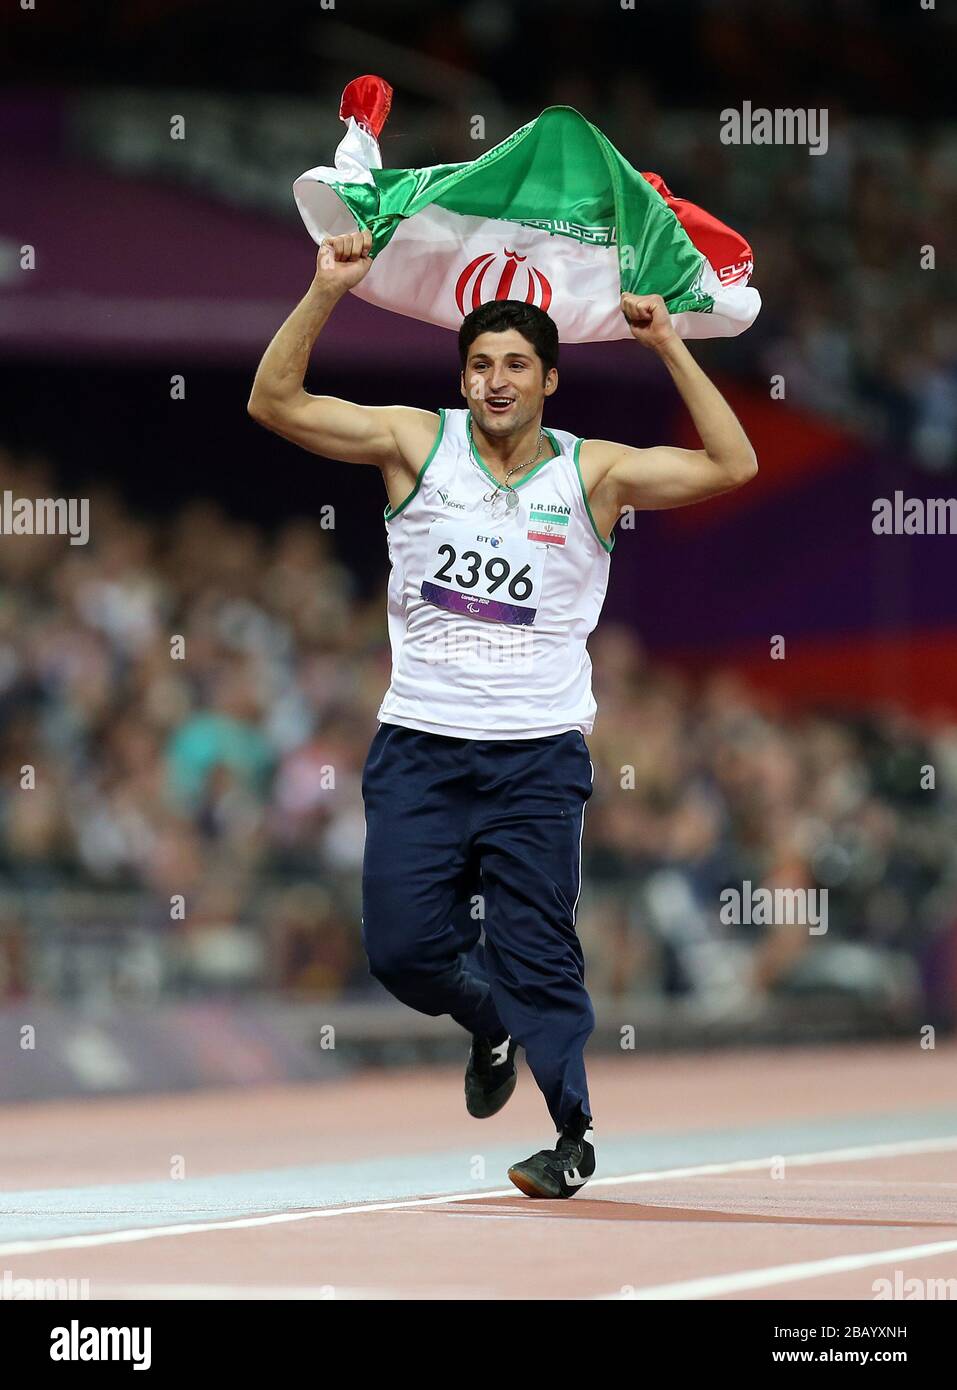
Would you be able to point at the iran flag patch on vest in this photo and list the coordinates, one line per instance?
(553, 216)
(548, 526)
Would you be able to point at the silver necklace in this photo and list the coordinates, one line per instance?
(511, 498)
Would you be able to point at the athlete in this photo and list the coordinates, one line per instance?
(500, 534)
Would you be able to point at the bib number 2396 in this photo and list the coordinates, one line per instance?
(483, 574)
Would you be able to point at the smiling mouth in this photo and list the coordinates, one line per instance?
(499, 404)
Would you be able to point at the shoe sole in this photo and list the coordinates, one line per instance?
(492, 1104)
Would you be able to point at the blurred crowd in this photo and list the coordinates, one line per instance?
(195, 698)
(854, 258)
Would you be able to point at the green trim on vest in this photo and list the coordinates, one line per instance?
(392, 512)
(522, 481)
(609, 545)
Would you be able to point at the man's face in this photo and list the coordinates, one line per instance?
(503, 384)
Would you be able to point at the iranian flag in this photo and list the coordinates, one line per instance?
(553, 216)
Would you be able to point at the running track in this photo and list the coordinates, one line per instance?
(761, 1175)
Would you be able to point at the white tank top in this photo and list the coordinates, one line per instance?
(490, 608)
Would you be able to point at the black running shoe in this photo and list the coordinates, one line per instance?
(558, 1172)
(490, 1076)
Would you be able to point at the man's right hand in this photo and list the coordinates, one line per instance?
(394, 438)
(343, 261)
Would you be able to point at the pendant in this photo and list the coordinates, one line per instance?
(511, 501)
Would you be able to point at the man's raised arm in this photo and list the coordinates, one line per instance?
(390, 437)
(665, 476)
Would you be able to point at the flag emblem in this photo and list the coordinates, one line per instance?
(536, 287)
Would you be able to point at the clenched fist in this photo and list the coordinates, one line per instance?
(648, 318)
(344, 260)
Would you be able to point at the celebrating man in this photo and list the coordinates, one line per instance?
(500, 534)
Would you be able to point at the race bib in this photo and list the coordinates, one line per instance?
(483, 573)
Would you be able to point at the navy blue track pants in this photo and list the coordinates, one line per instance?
(457, 828)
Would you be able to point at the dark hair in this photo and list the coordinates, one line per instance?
(499, 315)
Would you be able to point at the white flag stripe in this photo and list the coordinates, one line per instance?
(418, 271)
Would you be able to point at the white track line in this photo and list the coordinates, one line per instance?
(29, 1247)
(784, 1274)
(858, 1153)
